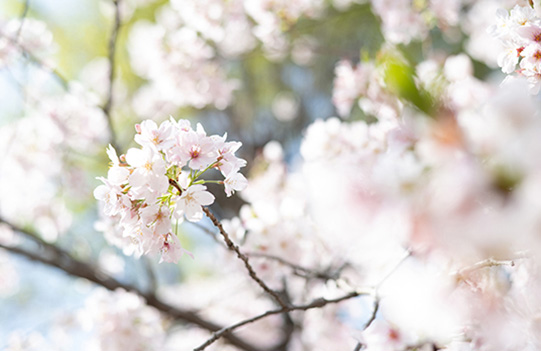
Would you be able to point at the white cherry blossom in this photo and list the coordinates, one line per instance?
(234, 182)
(190, 203)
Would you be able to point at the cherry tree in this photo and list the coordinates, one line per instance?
(272, 175)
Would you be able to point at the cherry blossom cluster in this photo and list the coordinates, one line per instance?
(198, 79)
(121, 320)
(18, 36)
(363, 83)
(406, 20)
(191, 38)
(449, 79)
(519, 32)
(156, 186)
(274, 18)
(59, 124)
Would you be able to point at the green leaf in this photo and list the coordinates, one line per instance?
(399, 77)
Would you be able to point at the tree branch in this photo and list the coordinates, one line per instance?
(61, 259)
(244, 259)
(317, 303)
(375, 307)
(372, 318)
(462, 274)
(374, 313)
(64, 82)
(107, 107)
(325, 275)
(489, 262)
(23, 17)
(55, 250)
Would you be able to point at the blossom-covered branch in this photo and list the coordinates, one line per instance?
(150, 189)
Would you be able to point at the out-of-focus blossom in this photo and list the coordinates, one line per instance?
(198, 79)
(29, 35)
(121, 320)
(363, 84)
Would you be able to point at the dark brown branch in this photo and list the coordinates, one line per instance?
(244, 259)
(317, 303)
(282, 261)
(57, 257)
(107, 107)
(173, 183)
(299, 270)
(288, 324)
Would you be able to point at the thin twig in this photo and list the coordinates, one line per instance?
(22, 18)
(489, 262)
(375, 307)
(406, 255)
(288, 324)
(206, 230)
(64, 82)
(232, 246)
(281, 260)
(299, 270)
(61, 259)
(374, 313)
(317, 303)
(107, 107)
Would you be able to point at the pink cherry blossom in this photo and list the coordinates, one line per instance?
(171, 250)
